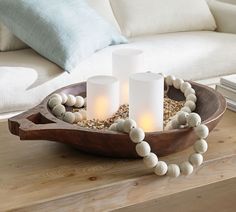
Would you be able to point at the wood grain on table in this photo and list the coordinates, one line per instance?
(48, 176)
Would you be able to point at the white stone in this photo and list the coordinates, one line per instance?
(196, 159)
(64, 97)
(54, 101)
(193, 120)
(151, 160)
(186, 109)
(177, 83)
(184, 86)
(71, 100)
(201, 131)
(175, 124)
(190, 104)
(129, 124)
(186, 168)
(136, 135)
(78, 117)
(200, 146)
(59, 110)
(69, 117)
(161, 168)
(79, 101)
(173, 170)
(169, 80)
(113, 127)
(120, 125)
(143, 149)
(191, 97)
(189, 91)
(182, 117)
(84, 114)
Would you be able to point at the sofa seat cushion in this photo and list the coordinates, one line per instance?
(26, 77)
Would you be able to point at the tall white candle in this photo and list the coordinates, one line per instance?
(102, 97)
(124, 63)
(146, 98)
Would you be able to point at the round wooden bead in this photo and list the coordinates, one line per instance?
(143, 149)
(84, 114)
(161, 168)
(186, 109)
(191, 97)
(79, 101)
(184, 86)
(201, 131)
(120, 125)
(78, 117)
(54, 101)
(63, 97)
(129, 124)
(186, 168)
(151, 160)
(136, 135)
(175, 124)
(59, 110)
(173, 170)
(200, 146)
(182, 117)
(71, 100)
(169, 80)
(113, 127)
(190, 104)
(193, 120)
(196, 159)
(189, 91)
(57, 96)
(69, 117)
(177, 83)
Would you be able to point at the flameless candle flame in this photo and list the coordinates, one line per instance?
(102, 106)
(146, 122)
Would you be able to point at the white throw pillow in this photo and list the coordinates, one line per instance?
(143, 17)
(8, 41)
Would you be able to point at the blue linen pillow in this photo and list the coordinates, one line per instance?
(63, 31)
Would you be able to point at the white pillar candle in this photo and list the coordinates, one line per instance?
(124, 63)
(146, 97)
(102, 97)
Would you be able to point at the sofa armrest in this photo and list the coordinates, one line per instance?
(225, 16)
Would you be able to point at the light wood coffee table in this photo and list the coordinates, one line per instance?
(48, 176)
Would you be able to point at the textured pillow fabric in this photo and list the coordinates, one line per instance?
(8, 41)
(145, 17)
(64, 32)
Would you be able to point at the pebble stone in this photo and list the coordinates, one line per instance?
(151, 160)
(182, 117)
(169, 80)
(184, 86)
(54, 101)
(136, 135)
(191, 97)
(69, 117)
(78, 116)
(173, 170)
(201, 131)
(190, 104)
(71, 100)
(177, 83)
(186, 168)
(196, 159)
(143, 149)
(129, 124)
(79, 101)
(161, 168)
(189, 91)
(113, 127)
(193, 120)
(200, 146)
(59, 110)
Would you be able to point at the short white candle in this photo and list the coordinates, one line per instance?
(102, 97)
(146, 98)
(124, 63)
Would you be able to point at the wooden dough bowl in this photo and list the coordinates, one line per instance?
(40, 124)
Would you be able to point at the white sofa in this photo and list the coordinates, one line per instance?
(26, 77)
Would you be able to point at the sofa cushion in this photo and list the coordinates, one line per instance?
(65, 32)
(146, 17)
(8, 41)
(26, 77)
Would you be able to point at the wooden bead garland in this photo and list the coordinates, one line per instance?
(184, 118)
